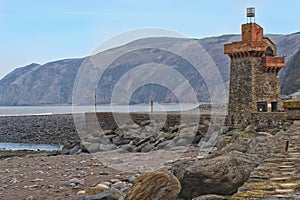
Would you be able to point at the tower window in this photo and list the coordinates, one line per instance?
(262, 107)
(274, 106)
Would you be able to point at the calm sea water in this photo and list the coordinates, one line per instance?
(41, 110)
(25, 146)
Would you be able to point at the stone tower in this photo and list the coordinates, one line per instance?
(254, 84)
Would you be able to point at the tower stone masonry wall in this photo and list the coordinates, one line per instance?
(254, 84)
(265, 87)
(239, 108)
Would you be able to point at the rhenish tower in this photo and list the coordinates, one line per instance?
(254, 83)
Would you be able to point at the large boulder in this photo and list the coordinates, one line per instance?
(258, 144)
(156, 185)
(221, 175)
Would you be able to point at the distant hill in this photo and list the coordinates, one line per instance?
(52, 83)
(35, 84)
(291, 80)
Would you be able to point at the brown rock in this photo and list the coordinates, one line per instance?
(97, 190)
(159, 184)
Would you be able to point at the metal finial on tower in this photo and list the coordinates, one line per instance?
(251, 14)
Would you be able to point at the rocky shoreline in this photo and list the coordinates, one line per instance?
(144, 136)
(145, 159)
(59, 128)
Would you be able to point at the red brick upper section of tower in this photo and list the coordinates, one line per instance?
(252, 40)
(252, 32)
(254, 44)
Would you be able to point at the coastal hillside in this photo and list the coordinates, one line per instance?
(52, 83)
(35, 84)
(291, 81)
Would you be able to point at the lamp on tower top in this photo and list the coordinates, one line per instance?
(251, 14)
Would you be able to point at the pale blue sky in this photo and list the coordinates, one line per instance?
(43, 31)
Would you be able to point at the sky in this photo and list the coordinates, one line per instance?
(35, 31)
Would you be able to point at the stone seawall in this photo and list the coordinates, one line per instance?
(266, 121)
(61, 129)
(111, 121)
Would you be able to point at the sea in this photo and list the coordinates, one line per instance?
(69, 109)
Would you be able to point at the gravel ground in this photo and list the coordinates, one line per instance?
(50, 177)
